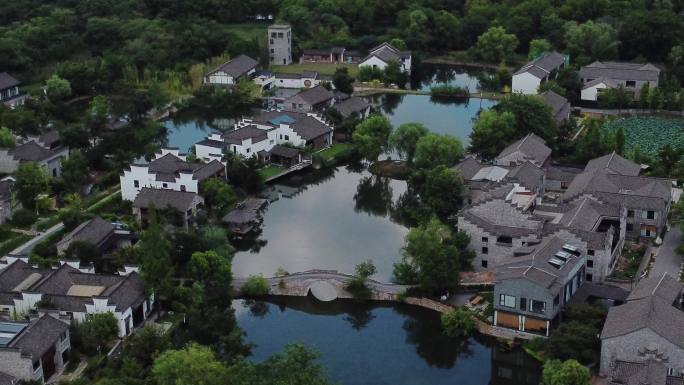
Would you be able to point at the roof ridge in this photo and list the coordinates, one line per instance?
(658, 284)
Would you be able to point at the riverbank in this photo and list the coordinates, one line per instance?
(446, 60)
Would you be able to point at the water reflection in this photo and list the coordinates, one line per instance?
(452, 116)
(378, 343)
(430, 75)
(326, 219)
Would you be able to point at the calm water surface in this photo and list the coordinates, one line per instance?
(378, 344)
(430, 75)
(443, 117)
(326, 219)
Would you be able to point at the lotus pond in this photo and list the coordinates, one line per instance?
(650, 134)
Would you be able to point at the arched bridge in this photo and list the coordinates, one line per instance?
(325, 285)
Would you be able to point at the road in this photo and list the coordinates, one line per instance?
(667, 260)
(27, 247)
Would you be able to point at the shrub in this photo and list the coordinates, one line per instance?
(95, 333)
(445, 91)
(23, 218)
(458, 323)
(256, 285)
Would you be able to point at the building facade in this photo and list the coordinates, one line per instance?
(280, 44)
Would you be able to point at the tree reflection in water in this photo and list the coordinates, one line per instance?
(373, 196)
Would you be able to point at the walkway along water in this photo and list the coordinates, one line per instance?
(328, 285)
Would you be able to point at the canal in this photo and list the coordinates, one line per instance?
(377, 344)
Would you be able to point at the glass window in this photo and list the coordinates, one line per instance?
(630, 213)
(650, 214)
(556, 300)
(485, 250)
(507, 300)
(523, 303)
(485, 239)
(590, 252)
(537, 306)
(590, 263)
(484, 263)
(630, 227)
(136, 184)
(590, 277)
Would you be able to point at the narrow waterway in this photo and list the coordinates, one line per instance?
(378, 344)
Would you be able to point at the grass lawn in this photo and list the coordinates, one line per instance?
(249, 30)
(322, 68)
(12, 243)
(270, 171)
(334, 150)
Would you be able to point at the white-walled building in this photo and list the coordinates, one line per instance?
(599, 76)
(381, 55)
(530, 76)
(306, 79)
(46, 150)
(169, 170)
(266, 130)
(230, 72)
(69, 294)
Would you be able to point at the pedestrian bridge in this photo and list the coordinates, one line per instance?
(324, 285)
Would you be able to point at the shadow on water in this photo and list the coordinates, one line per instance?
(381, 343)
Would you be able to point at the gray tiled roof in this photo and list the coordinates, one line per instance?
(238, 66)
(649, 308)
(351, 105)
(536, 267)
(93, 231)
(587, 213)
(650, 372)
(615, 163)
(161, 198)
(245, 212)
(620, 71)
(6, 379)
(502, 218)
(468, 167)
(168, 166)
(39, 336)
(7, 81)
(16, 273)
(246, 132)
(386, 52)
(608, 82)
(562, 173)
(542, 66)
(285, 152)
(208, 170)
(312, 96)
(31, 152)
(532, 146)
(528, 175)
(304, 125)
(560, 106)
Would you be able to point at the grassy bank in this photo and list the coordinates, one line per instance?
(270, 171)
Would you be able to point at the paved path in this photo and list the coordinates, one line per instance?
(27, 247)
(667, 260)
(298, 284)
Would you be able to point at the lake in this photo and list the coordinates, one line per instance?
(427, 76)
(378, 344)
(453, 117)
(326, 219)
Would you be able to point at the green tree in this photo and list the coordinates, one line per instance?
(256, 285)
(569, 372)
(433, 150)
(192, 365)
(31, 180)
(219, 197)
(404, 139)
(432, 257)
(214, 272)
(457, 323)
(538, 47)
(574, 340)
(6, 138)
(398, 44)
(96, 332)
(495, 45)
(617, 97)
(591, 41)
(620, 141)
(145, 345)
(75, 171)
(154, 250)
(442, 190)
(357, 285)
(57, 89)
(393, 74)
(295, 365)
(491, 132)
(371, 135)
(531, 115)
(343, 81)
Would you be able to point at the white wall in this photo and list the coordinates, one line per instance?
(525, 83)
(297, 83)
(219, 77)
(373, 61)
(593, 92)
(147, 179)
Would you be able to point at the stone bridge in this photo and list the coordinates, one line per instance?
(325, 285)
